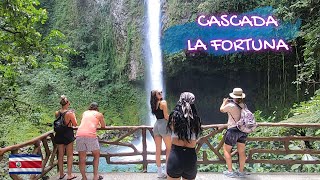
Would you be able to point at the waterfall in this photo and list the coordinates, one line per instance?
(154, 79)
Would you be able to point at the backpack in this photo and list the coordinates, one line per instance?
(58, 124)
(247, 122)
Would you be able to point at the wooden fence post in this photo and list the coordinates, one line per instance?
(144, 149)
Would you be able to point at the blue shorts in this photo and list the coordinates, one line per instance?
(234, 136)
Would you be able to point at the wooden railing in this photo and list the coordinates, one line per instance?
(41, 145)
(210, 143)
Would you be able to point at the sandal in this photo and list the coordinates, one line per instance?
(63, 176)
(100, 177)
(72, 178)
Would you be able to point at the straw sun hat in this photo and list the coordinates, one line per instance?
(237, 93)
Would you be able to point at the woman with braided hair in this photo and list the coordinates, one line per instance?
(185, 127)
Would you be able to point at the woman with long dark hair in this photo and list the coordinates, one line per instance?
(160, 109)
(233, 135)
(185, 127)
(65, 139)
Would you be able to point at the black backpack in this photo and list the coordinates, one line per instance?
(58, 124)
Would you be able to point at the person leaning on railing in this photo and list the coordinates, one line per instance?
(65, 139)
(185, 127)
(233, 135)
(87, 139)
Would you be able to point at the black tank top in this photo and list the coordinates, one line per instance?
(159, 113)
(67, 136)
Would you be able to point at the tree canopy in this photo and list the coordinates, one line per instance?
(23, 47)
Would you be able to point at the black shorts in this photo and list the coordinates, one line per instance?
(65, 138)
(182, 162)
(234, 136)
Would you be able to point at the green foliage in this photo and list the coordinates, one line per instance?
(30, 46)
(307, 111)
(120, 102)
(221, 6)
(277, 70)
(23, 48)
(308, 11)
(262, 167)
(12, 132)
(260, 118)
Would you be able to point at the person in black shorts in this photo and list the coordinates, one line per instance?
(185, 127)
(233, 135)
(65, 139)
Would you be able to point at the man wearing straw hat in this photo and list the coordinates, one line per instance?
(233, 135)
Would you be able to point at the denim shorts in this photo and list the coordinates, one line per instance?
(234, 136)
(160, 128)
(182, 162)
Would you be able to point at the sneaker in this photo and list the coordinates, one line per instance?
(230, 174)
(244, 172)
(162, 176)
(241, 174)
(164, 169)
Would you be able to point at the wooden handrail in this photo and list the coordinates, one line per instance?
(24, 144)
(45, 146)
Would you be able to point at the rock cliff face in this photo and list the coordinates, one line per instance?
(113, 29)
(128, 22)
(104, 28)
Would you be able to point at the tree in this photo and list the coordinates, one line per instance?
(23, 48)
(308, 11)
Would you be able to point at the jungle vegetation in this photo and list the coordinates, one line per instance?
(93, 51)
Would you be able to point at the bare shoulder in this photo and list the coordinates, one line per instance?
(69, 112)
(56, 113)
(231, 105)
(163, 104)
(100, 115)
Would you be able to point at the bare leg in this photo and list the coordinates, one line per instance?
(170, 178)
(242, 155)
(82, 164)
(158, 141)
(96, 155)
(69, 150)
(167, 142)
(227, 156)
(60, 159)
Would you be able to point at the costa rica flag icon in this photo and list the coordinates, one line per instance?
(25, 164)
